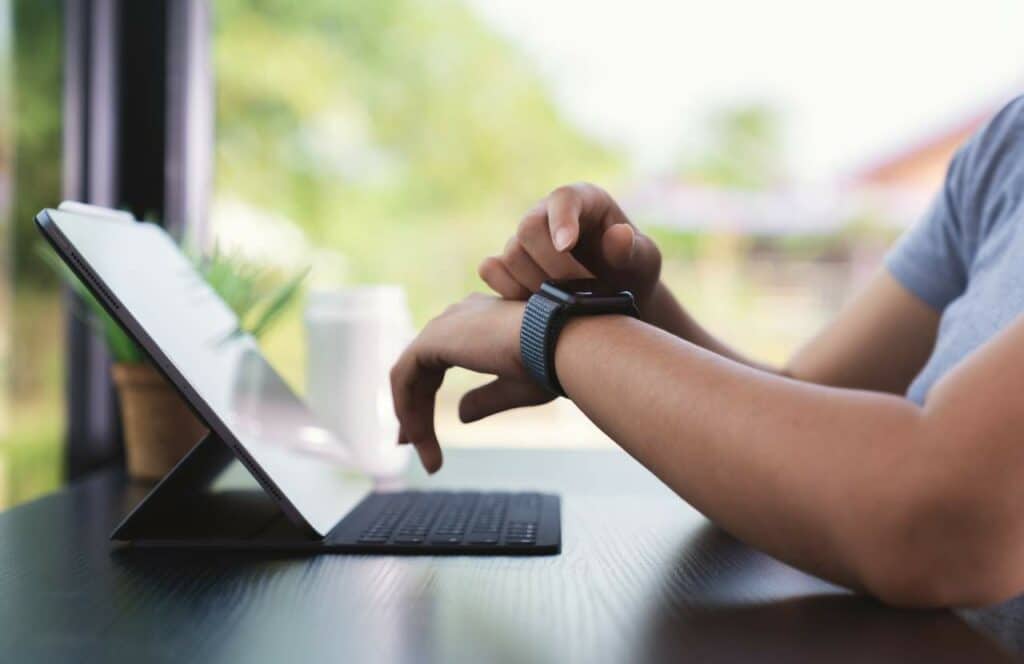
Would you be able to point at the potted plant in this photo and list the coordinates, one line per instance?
(158, 426)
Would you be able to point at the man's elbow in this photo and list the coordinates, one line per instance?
(945, 555)
(913, 585)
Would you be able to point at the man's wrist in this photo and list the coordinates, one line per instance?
(514, 311)
(586, 337)
(548, 310)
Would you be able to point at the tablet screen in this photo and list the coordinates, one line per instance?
(187, 329)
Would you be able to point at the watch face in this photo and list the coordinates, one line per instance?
(587, 292)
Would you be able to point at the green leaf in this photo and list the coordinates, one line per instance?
(277, 303)
(248, 288)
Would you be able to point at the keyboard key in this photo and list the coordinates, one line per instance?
(483, 539)
(408, 539)
(446, 540)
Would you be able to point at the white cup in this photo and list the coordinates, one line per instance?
(354, 335)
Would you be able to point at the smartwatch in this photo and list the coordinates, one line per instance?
(548, 309)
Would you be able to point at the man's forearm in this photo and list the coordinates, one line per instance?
(664, 311)
(799, 470)
(879, 341)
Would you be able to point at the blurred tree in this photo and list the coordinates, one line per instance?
(37, 96)
(5, 210)
(5, 95)
(30, 451)
(6, 139)
(384, 128)
(744, 149)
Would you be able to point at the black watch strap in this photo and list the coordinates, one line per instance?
(542, 321)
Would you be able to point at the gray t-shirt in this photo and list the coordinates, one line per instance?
(965, 258)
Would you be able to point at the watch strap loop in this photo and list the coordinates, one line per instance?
(542, 321)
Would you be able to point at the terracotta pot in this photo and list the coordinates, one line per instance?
(158, 427)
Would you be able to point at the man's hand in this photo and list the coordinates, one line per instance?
(577, 231)
(480, 333)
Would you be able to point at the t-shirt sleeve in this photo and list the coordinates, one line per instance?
(932, 260)
(929, 259)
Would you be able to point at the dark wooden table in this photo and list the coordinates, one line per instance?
(642, 577)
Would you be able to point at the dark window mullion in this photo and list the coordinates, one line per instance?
(92, 425)
(138, 124)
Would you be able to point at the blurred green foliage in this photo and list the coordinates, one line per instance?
(37, 99)
(392, 108)
(403, 133)
(31, 462)
(257, 294)
(6, 114)
(744, 149)
(30, 155)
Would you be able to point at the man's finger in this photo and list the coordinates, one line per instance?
(413, 390)
(535, 239)
(564, 207)
(624, 255)
(521, 265)
(500, 395)
(429, 451)
(496, 275)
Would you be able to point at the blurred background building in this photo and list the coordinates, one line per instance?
(773, 151)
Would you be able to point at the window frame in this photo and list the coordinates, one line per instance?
(138, 119)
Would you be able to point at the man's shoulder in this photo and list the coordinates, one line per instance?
(1011, 115)
(994, 152)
